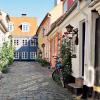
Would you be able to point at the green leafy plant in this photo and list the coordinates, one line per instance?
(6, 58)
(66, 58)
(43, 62)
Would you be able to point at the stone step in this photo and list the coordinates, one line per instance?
(74, 88)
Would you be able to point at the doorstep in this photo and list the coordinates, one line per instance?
(79, 98)
(74, 88)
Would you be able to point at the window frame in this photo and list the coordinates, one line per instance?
(16, 42)
(15, 55)
(25, 42)
(10, 27)
(65, 6)
(24, 55)
(33, 55)
(34, 42)
(25, 27)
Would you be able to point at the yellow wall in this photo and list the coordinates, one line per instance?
(17, 21)
(56, 12)
(40, 39)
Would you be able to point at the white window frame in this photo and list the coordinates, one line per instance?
(25, 42)
(24, 55)
(10, 27)
(34, 42)
(25, 27)
(16, 55)
(65, 8)
(33, 55)
(16, 42)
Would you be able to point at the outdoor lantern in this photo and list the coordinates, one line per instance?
(69, 28)
(43, 45)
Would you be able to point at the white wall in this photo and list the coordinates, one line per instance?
(74, 19)
(4, 36)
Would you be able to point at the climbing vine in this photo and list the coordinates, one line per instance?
(66, 57)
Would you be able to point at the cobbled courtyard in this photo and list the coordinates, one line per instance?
(30, 81)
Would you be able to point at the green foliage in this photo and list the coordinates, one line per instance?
(11, 54)
(56, 77)
(6, 57)
(43, 62)
(66, 58)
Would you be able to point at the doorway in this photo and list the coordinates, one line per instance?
(83, 45)
(97, 52)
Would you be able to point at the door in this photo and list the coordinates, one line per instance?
(97, 53)
(83, 46)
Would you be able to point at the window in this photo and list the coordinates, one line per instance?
(25, 42)
(33, 55)
(16, 55)
(25, 27)
(33, 42)
(24, 55)
(16, 42)
(10, 27)
(65, 6)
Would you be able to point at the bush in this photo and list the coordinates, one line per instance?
(4, 66)
(6, 58)
(43, 62)
(5, 69)
(56, 77)
(66, 59)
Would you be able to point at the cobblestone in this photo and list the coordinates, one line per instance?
(30, 81)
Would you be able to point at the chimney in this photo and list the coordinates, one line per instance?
(24, 14)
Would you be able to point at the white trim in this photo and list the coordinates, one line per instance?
(10, 27)
(16, 42)
(24, 55)
(33, 55)
(34, 42)
(25, 27)
(16, 55)
(25, 42)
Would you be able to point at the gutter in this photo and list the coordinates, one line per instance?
(47, 15)
(93, 3)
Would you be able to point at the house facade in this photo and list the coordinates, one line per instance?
(45, 26)
(84, 17)
(56, 37)
(4, 34)
(24, 38)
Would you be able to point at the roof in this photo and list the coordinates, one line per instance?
(17, 21)
(46, 16)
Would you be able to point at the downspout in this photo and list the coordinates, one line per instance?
(88, 64)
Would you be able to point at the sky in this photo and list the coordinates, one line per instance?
(36, 8)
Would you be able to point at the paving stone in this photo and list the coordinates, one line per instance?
(30, 81)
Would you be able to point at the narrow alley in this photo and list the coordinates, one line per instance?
(30, 81)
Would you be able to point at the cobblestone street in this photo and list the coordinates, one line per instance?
(30, 81)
